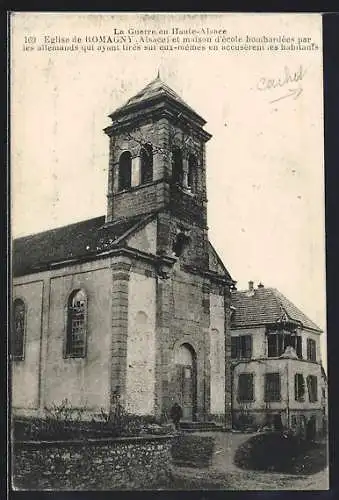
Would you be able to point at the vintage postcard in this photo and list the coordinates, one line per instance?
(168, 309)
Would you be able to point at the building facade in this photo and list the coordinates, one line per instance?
(136, 303)
(278, 378)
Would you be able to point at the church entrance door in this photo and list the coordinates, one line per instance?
(186, 381)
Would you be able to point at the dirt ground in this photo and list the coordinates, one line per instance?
(223, 474)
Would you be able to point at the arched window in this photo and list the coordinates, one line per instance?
(192, 172)
(125, 170)
(18, 329)
(76, 324)
(177, 166)
(146, 164)
(180, 243)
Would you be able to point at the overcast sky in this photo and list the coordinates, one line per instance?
(265, 176)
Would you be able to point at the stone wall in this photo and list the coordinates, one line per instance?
(120, 463)
(25, 372)
(217, 354)
(46, 376)
(141, 348)
(139, 200)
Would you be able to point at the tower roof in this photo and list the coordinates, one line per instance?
(156, 90)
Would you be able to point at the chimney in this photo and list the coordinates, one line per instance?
(250, 286)
(260, 285)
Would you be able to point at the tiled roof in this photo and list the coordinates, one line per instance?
(265, 306)
(68, 242)
(156, 88)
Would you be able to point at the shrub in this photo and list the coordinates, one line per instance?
(62, 422)
(192, 450)
(280, 452)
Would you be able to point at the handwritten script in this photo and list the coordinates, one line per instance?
(287, 78)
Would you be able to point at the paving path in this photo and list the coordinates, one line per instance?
(226, 475)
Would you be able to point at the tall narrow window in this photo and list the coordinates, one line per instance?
(298, 347)
(245, 387)
(299, 387)
(272, 345)
(241, 347)
(312, 386)
(125, 170)
(246, 346)
(18, 329)
(272, 387)
(76, 325)
(311, 350)
(177, 166)
(146, 164)
(192, 172)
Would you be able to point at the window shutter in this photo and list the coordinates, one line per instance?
(280, 344)
(302, 386)
(250, 387)
(248, 346)
(267, 382)
(312, 387)
(314, 357)
(272, 345)
(233, 347)
(296, 393)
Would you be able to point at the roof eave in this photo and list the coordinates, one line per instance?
(264, 324)
(133, 107)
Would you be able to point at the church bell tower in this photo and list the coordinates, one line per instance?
(157, 165)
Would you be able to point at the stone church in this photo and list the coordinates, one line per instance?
(135, 303)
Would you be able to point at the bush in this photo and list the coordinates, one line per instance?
(192, 451)
(62, 422)
(281, 452)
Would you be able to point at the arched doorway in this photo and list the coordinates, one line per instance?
(186, 380)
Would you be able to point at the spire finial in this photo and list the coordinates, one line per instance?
(158, 75)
